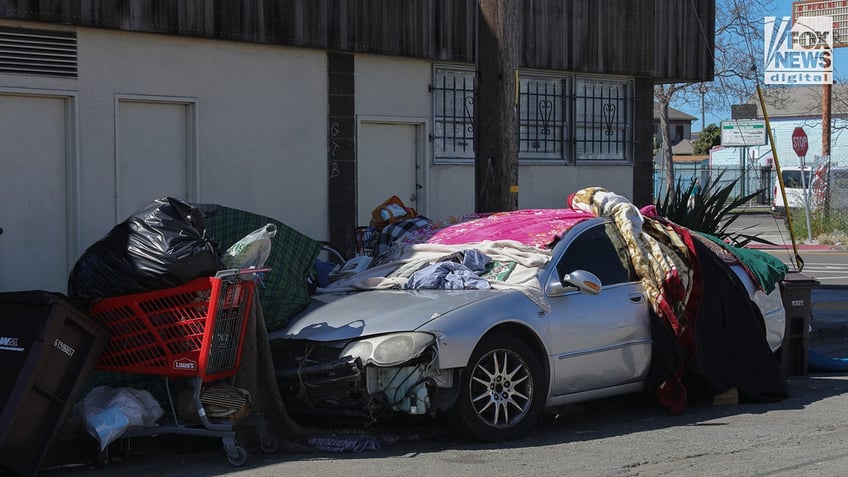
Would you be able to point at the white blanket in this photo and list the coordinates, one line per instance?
(523, 278)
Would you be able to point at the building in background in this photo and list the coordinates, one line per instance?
(791, 107)
(687, 165)
(679, 126)
(787, 107)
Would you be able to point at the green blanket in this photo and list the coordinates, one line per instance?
(766, 269)
(283, 291)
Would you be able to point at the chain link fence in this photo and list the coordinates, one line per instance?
(826, 192)
(749, 180)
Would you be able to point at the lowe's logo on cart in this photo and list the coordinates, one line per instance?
(10, 344)
(185, 364)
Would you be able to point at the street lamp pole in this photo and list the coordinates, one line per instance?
(703, 90)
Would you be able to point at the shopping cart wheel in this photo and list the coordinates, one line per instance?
(238, 457)
(269, 443)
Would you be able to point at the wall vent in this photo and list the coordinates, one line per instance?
(38, 52)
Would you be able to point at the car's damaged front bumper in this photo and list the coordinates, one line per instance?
(371, 377)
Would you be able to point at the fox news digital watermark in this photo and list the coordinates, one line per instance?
(801, 53)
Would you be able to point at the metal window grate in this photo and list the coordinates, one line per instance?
(38, 52)
(541, 118)
(560, 117)
(602, 117)
(453, 113)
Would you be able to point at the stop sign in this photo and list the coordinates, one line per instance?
(799, 142)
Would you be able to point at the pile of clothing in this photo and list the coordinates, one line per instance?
(707, 331)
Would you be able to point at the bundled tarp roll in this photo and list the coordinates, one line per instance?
(161, 245)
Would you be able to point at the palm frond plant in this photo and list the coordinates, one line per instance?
(713, 210)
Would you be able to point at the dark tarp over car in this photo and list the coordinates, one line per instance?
(731, 350)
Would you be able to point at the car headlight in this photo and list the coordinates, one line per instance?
(389, 350)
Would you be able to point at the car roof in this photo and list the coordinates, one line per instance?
(534, 227)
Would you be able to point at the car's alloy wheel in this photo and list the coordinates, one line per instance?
(502, 391)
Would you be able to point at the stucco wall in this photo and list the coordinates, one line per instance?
(387, 86)
(539, 186)
(396, 87)
(549, 186)
(261, 124)
(261, 120)
(392, 86)
(261, 116)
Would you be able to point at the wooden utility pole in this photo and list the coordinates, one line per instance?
(826, 101)
(496, 107)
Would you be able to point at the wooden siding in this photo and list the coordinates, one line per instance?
(684, 40)
(593, 36)
(662, 39)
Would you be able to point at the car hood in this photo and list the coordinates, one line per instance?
(331, 317)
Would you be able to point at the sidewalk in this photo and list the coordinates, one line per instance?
(781, 240)
(773, 229)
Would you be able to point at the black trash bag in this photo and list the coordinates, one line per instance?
(161, 245)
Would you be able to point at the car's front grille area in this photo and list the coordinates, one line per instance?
(288, 354)
(313, 379)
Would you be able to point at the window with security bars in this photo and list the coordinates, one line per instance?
(602, 117)
(541, 118)
(453, 113)
(560, 118)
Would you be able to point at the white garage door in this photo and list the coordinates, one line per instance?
(388, 163)
(34, 213)
(155, 153)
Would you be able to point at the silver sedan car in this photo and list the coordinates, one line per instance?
(577, 327)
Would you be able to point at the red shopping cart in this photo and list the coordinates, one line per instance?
(193, 331)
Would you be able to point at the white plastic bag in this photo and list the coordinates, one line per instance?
(109, 412)
(252, 250)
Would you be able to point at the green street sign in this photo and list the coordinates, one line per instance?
(743, 132)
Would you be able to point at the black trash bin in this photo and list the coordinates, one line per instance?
(796, 290)
(47, 347)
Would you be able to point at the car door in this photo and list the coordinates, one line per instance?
(599, 340)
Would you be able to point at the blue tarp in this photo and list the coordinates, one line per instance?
(819, 363)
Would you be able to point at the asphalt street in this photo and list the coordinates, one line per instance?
(804, 434)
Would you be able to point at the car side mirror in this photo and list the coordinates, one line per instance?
(585, 281)
(581, 280)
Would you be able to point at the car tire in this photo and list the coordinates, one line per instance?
(503, 390)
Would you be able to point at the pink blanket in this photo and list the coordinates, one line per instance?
(534, 227)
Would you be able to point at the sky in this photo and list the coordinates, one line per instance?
(781, 8)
